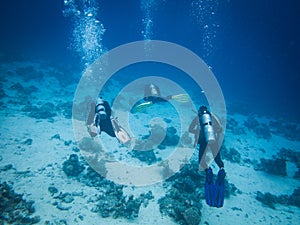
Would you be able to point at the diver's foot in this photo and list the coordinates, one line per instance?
(209, 175)
(221, 174)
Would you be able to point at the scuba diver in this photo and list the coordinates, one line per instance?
(207, 130)
(101, 120)
(152, 95)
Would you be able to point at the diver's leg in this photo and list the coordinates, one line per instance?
(202, 154)
(216, 153)
(107, 127)
(219, 161)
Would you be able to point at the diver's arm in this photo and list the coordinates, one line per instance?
(193, 128)
(217, 124)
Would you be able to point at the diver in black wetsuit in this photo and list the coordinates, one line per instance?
(207, 130)
(152, 95)
(102, 120)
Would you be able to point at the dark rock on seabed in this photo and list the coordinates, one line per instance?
(271, 200)
(183, 200)
(230, 154)
(145, 156)
(110, 202)
(261, 130)
(72, 166)
(288, 130)
(275, 166)
(14, 209)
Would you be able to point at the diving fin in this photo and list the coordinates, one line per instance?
(183, 98)
(141, 107)
(122, 136)
(220, 188)
(210, 190)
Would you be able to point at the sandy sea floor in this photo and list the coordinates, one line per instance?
(33, 150)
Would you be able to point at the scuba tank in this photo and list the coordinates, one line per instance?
(100, 109)
(206, 125)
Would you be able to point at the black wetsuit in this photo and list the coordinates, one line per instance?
(105, 124)
(203, 144)
(215, 150)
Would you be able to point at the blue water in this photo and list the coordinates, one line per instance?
(251, 46)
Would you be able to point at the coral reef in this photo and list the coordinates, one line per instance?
(19, 95)
(276, 166)
(46, 111)
(72, 166)
(230, 154)
(183, 200)
(145, 156)
(66, 109)
(143, 149)
(184, 196)
(292, 156)
(271, 200)
(186, 140)
(260, 129)
(56, 222)
(167, 120)
(111, 201)
(148, 142)
(6, 167)
(171, 138)
(29, 72)
(166, 171)
(192, 216)
(155, 135)
(116, 205)
(234, 127)
(23, 91)
(178, 205)
(290, 131)
(52, 190)
(294, 199)
(62, 200)
(25, 97)
(14, 209)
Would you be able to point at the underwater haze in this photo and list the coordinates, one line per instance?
(240, 58)
(252, 46)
